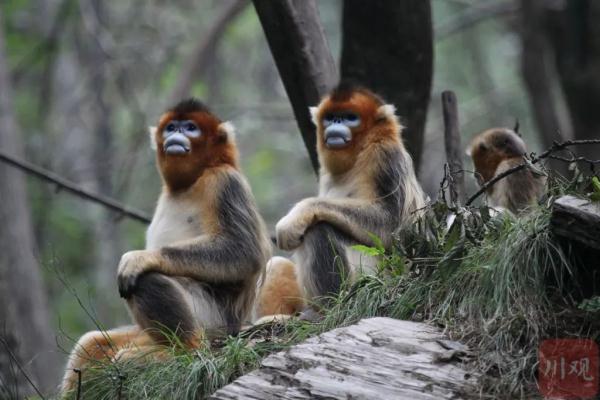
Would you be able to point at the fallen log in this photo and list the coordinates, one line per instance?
(378, 358)
(577, 219)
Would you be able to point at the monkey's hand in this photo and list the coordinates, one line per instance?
(132, 265)
(289, 231)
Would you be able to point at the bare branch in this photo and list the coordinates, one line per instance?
(574, 159)
(75, 189)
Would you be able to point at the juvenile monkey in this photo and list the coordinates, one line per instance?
(205, 248)
(495, 151)
(367, 187)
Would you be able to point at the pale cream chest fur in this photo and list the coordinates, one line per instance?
(338, 189)
(175, 219)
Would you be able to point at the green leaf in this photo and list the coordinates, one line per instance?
(595, 195)
(596, 184)
(369, 251)
(377, 241)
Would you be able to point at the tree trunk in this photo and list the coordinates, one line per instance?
(299, 46)
(387, 46)
(107, 231)
(23, 302)
(539, 75)
(575, 34)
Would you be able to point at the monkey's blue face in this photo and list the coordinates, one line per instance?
(177, 136)
(338, 128)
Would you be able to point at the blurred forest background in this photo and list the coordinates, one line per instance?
(80, 81)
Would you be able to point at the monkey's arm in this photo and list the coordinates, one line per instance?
(356, 218)
(232, 255)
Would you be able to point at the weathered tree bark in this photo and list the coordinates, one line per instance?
(539, 75)
(299, 46)
(575, 35)
(387, 46)
(379, 358)
(577, 219)
(24, 316)
(201, 56)
(576, 222)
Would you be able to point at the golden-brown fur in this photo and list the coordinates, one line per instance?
(205, 249)
(280, 293)
(497, 150)
(366, 187)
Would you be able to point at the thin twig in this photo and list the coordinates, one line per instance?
(78, 372)
(75, 189)
(574, 159)
(533, 159)
(21, 369)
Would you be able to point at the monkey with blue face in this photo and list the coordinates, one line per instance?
(367, 190)
(206, 246)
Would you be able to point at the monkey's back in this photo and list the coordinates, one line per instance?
(517, 191)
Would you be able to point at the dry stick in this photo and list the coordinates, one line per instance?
(75, 189)
(456, 178)
(546, 154)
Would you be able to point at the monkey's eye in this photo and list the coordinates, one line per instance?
(351, 120)
(170, 127)
(328, 119)
(190, 126)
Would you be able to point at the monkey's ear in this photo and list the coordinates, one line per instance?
(516, 128)
(152, 134)
(468, 151)
(226, 131)
(314, 114)
(387, 112)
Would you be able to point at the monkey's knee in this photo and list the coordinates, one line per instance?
(323, 264)
(159, 306)
(281, 292)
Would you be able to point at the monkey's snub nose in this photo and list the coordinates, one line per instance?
(176, 144)
(336, 138)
